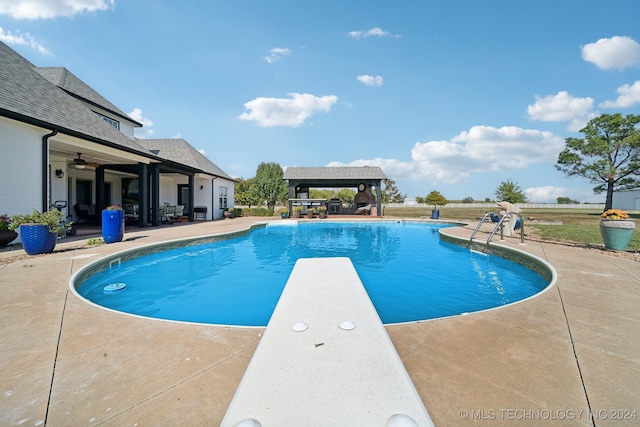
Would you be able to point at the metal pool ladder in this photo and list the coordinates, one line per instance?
(499, 225)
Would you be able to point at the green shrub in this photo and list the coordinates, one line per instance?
(257, 212)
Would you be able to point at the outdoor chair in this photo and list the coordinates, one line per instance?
(131, 212)
(179, 212)
(169, 214)
(364, 210)
(84, 213)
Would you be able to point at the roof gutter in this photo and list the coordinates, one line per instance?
(39, 123)
(45, 169)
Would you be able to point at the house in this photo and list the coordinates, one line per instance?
(213, 188)
(61, 141)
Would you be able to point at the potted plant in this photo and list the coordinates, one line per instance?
(39, 230)
(616, 229)
(228, 213)
(322, 211)
(311, 212)
(6, 235)
(284, 213)
(113, 224)
(436, 199)
(297, 211)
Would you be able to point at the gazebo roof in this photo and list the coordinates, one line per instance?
(322, 175)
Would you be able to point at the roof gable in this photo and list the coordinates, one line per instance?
(71, 84)
(27, 96)
(180, 151)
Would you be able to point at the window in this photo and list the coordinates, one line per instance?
(223, 197)
(112, 122)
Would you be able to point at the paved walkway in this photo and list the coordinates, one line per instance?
(570, 356)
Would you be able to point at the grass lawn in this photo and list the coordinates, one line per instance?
(578, 225)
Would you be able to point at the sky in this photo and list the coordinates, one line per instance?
(450, 95)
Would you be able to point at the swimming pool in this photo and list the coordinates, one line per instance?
(409, 273)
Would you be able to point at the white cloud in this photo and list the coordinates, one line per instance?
(23, 40)
(550, 194)
(560, 107)
(629, 95)
(47, 9)
(373, 32)
(563, 107)
(269, 112)
(547, 194)
(481, 149)
(371, 80)
(616, 52)
(276, 54)
(391, 167)
(136, 115)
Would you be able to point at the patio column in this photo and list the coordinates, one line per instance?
(100, 196)
(192, 194)
(143, 194)
(155, 193)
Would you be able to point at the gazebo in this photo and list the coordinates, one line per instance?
(365, 179)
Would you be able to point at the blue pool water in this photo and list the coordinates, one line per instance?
(408, 272)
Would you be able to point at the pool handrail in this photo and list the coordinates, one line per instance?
(499, 225)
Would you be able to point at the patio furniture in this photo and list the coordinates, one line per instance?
(84, 212)
(131, 212)
(200, 212)
(168, 214)
(364, 210)
(179, 212)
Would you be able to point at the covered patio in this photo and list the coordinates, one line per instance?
(366, 179)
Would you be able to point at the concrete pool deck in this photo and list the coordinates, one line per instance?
(570, 356)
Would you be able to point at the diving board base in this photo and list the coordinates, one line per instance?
(325, 359)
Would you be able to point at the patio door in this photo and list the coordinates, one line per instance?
(183, 197)
(84, 192)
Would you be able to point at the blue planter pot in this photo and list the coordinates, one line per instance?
(112, 226)
(37, 239)
(435, 214)
(616, 233)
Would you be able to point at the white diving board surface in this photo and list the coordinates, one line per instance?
(325, 359)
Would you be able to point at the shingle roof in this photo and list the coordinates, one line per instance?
(26, 95)
(68, 82)
(334, 173)
(180, 151)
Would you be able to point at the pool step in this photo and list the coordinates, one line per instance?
(325, 359)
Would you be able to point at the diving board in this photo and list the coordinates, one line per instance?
(325, 359)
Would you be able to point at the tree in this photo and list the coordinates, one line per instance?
(606, 156)
(420, 199)
(268, 184)
(391, 194)
(435, 198)
(242, 193)
(347, 196)
(509, 191)
(467, 200)
(566, 201)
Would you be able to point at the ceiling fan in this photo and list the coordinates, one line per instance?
(81, 163)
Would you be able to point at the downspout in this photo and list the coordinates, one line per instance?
(45, 169)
